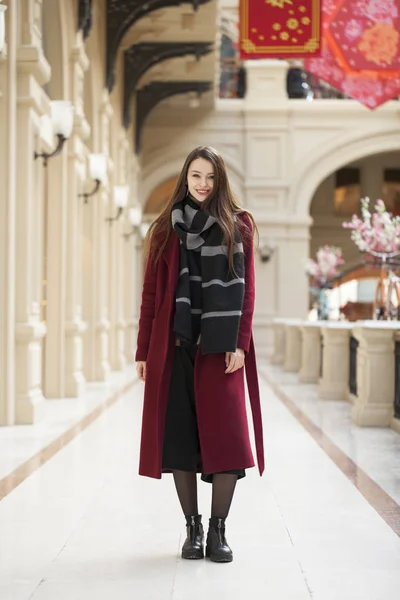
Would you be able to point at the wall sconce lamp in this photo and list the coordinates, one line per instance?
(143, 229)
(98, 172)
(194, 100)
(135, 219)
(121, 196)
(61, 123)
(266, 250)
(2, 27)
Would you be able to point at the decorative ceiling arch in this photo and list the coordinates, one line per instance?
(85, 17)
(141, 57)
(150, 95)
(121, 15)
(160, 196)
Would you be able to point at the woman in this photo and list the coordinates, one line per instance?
(194, 338)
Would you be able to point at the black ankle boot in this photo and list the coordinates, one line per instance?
(193, 547)
(217, 548)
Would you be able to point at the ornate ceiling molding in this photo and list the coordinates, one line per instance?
(85, 17)
(121, 15)
(139, 58)
(149, 96)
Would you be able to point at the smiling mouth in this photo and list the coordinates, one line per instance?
(202, 192)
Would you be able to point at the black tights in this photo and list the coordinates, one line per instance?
(223, 488)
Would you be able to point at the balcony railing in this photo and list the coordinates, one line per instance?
(397, 381)
(353, 366)
(232, 83)
(299, 84)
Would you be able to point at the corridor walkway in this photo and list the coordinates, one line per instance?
(84, 526)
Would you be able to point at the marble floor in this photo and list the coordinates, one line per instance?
(85, 526)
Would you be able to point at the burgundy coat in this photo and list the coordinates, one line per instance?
(220, 398)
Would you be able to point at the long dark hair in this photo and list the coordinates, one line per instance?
(221, 204)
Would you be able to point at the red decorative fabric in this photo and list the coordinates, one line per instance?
(280, 28)
(361, 49)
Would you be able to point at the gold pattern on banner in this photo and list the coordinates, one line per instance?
(278, 3)
(306, 20)
(292, 23)
(248, 46)
(277, 26)
(284, 35)
(312, 45)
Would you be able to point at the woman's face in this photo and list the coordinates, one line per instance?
(200, 179)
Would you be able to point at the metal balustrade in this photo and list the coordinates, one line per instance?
(353, 365)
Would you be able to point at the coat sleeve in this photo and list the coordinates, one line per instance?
(147, 311)
(246, 321)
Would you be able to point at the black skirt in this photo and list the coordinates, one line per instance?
(181, 449)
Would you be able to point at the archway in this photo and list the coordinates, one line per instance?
(335, 200)
(160, 196)
(320, 164)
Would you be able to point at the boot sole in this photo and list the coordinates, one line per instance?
(193, 556)
(218, 559)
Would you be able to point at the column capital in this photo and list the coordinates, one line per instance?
(372, 332)
(32, 61)
(336, 332)
(79, 57)
(311, 327)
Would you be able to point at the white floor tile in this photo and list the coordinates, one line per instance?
(85, 526)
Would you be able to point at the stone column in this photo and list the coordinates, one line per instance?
(130, 283)
(278, 326)
(334, 383)
(33, 73)
(75, 383)
(310, 353)
(96, 242)
(266, 81)
(115, 281)
(374, 403)
(267, 169)
(8, 172)
(131, 278)
(118, 325)
(292, 361)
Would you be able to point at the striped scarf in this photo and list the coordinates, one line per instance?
(209, 298)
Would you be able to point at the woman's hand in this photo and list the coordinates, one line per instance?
(234, 360)
(141, 370)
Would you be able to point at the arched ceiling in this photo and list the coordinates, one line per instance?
(183, 35)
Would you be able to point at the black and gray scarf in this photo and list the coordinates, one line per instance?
(209, 298)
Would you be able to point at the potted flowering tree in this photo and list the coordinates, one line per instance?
(321, 272)
(377, 235)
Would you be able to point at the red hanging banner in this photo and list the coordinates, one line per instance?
(361, 49)
(280, 28)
